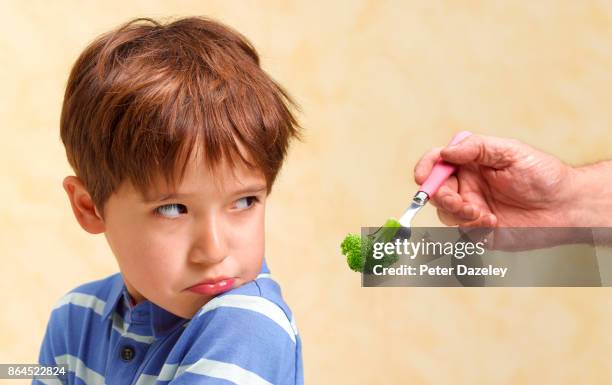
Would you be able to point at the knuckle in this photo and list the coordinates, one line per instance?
(446, 218)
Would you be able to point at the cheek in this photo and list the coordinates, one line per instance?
(249, 246)
(147, 254)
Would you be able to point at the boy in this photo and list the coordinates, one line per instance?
(175, 135)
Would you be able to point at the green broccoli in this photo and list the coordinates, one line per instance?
(359, 250)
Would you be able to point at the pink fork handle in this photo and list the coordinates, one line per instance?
(441, 170)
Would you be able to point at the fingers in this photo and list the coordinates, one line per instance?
(488, 151)
(467, 217)
(496, 153)
(486, 220)
(454, 211)
(425, 164)
(448, 192)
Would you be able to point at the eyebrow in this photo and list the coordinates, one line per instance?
(174, 195)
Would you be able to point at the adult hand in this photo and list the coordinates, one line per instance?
(502, 182)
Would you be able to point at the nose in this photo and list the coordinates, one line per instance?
(209, 246)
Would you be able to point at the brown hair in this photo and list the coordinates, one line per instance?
(141, 96)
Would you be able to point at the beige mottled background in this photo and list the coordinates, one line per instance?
(379, 82)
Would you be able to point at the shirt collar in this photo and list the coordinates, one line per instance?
(161, 319)
(264, 268)
(116, 292)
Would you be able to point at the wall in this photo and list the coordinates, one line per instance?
(379, 83)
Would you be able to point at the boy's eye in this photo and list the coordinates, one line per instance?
(246, 202)
(172, 210)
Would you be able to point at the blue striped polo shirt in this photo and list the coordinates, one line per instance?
(246, 335)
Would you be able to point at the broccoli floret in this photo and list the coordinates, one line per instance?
(351, 247)
(351, 242)
(358, 250)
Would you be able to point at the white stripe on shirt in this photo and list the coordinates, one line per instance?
(97, 305)
(207, 367)
(167, 373)
(121, 327)
(223, 370)
(249, 302)
(80, 299)
(89, 376)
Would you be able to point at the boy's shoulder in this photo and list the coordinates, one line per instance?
(263, 289)
(257, 302)
(249, 331)
(92, 295)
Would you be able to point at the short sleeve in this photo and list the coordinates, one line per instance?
(239, 339)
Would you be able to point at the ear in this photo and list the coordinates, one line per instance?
(82, 205)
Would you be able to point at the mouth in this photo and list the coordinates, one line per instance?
(213, 286)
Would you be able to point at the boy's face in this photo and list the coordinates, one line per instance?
(213, 229)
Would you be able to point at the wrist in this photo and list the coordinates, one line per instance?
(589, 202)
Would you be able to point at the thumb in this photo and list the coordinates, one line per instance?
(483, 150)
